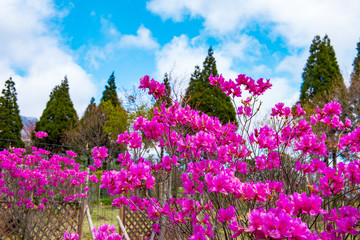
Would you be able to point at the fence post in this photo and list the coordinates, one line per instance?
(83, 209)
(90, 221)
(121, 216)
(81, 219)
(123, 228)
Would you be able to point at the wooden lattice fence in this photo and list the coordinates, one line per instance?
(50, 223)
(138, 226)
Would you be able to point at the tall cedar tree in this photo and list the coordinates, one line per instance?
(116, 115)
(109, 94)
(10, 121)
(322, 80)
(59, 114)
(354, 91)
(322, 83)
(207, 98)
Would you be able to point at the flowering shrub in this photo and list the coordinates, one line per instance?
(40, 134)
(106, 232)
(213, 181)
(38, 181)
(70, 236)
(103, 232)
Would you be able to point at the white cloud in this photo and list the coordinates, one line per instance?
(293, 63)
(281, 91)
(299, 18)
(179, 57)
(181, 54)
(219, 15)
(297, 22)
(142, 40)
(241, 46)
(32, 55)
(108, 28)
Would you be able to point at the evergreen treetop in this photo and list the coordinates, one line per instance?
(354, 90)
(323, 83)
(89, 108)
(58, 115)
(321, 77)
(356, 63)
(109, 94)
(92, 101)
(10, 120)
(207, 98)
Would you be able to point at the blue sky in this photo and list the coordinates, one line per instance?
(44, 40)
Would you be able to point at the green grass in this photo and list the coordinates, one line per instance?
(101, 214)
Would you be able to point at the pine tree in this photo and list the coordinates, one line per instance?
(10, 121)
(58, 115)
(207, 98)
(322, 80)
(354, 91)
(109, 94)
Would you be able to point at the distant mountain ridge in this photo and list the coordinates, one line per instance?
(28, 126)
(28, 120)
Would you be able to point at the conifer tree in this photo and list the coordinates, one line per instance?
(10, 121)
(58, 115)
(322, 80)
(109, 94)
(92, 103)
(354, 91)
(322, 83)
(116, 115)
(208, 98)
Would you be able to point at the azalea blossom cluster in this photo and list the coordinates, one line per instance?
(155, 88)
(40, 175)
(106, 232)
(270, 182)
(103, 232)
(233, 88)
(40, 134)
(39, 180)
(70, 236)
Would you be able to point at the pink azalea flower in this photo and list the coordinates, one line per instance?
(226, 215)
(40, 134)
(71, 153)
(70, 236)
(346, 225)
(236, 228)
